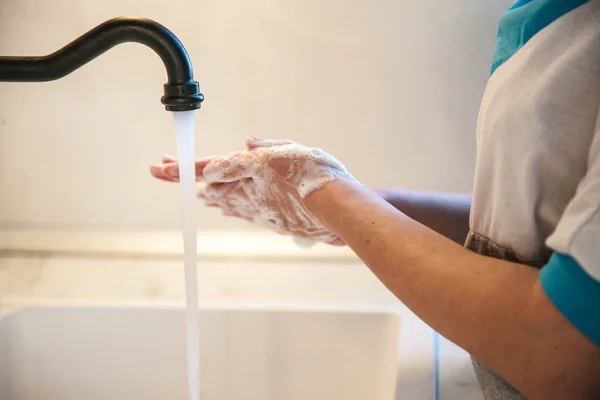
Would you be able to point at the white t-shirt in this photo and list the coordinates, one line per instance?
(537, 180)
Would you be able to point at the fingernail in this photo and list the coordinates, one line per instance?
(173, 172)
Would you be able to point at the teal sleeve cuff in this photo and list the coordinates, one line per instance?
(575, 293)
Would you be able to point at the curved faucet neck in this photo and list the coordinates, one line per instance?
(181, 91)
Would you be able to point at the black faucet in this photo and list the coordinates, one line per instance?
(181, 92)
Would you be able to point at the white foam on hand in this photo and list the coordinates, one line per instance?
(267, 183)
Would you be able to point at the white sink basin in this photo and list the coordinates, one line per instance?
(125, 353)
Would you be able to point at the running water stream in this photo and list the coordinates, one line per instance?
(184, 125)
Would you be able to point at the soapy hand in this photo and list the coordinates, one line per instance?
(266, 184)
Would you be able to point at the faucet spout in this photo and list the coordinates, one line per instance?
(181, 92)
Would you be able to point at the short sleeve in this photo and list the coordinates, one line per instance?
(571, 279)
(578, 231)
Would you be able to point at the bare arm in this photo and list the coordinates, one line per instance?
(445, 213)
(494, 309)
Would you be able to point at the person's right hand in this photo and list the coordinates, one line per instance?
(266, 184)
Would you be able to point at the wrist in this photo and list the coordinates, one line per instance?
(325, 197)
(329, 203)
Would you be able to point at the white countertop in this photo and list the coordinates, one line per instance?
(245, 268)
(66, 279)
(167, 245)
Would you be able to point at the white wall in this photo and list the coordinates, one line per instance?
(389, 87)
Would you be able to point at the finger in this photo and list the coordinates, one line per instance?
(232, 213)
(169, 171)
(205, 196)
(255, 143)
(160, 171)
(337, 242)
(225, 196)
(221, 189)
(215, 194)
(168, 158)
(233, 167)
(200, 166)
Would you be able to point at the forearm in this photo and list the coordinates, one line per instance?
(445, 213)
(494, 309)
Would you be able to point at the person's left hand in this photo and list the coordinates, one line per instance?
(266, 184)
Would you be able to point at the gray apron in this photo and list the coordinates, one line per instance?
(492, 386)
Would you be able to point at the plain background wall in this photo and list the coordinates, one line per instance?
(389, 87)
